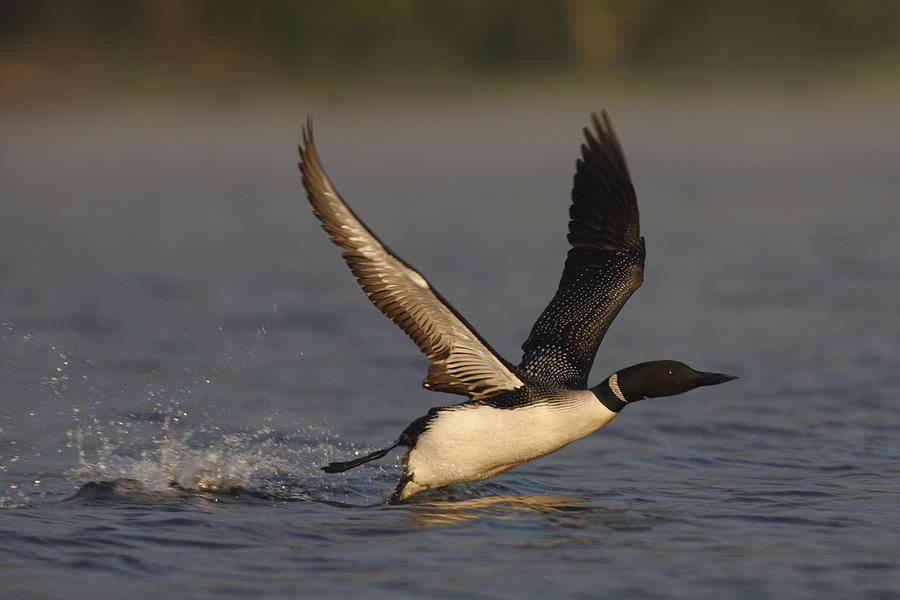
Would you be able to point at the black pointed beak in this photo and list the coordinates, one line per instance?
(711, 378)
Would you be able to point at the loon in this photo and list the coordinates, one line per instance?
(514, 413)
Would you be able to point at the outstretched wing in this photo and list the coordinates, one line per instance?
(603, 268)
(461, 361)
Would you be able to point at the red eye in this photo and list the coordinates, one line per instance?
(670, 373)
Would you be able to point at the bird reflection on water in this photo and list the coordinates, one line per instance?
(498, 507)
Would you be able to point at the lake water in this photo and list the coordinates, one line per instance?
(172, 313)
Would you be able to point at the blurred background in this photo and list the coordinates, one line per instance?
(152, 48)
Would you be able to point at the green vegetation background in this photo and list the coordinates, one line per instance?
(152, 45)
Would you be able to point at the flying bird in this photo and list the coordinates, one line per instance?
(514, 413)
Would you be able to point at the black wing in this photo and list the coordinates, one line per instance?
(603, 268)
(461, 361)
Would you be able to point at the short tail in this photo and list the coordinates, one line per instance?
(340, 467)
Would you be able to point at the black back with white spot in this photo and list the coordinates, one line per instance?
(603, 268)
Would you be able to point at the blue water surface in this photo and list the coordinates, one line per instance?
(181, 348)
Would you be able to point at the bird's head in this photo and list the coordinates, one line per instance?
(655, 379)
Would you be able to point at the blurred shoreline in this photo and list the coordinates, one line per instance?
(354, 54)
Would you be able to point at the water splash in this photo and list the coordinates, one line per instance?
(79, 422)
(204, 459)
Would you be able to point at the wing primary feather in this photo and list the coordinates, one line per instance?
(460, 360)
(603, 268)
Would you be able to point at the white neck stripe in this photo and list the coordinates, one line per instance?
(614, 386)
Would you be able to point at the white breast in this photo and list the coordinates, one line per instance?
(473, 442)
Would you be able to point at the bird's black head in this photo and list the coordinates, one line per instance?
(661, 378)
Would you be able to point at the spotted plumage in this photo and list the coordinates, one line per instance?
(514, 413)
(603, 268)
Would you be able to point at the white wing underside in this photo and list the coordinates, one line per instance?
(461, 361)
